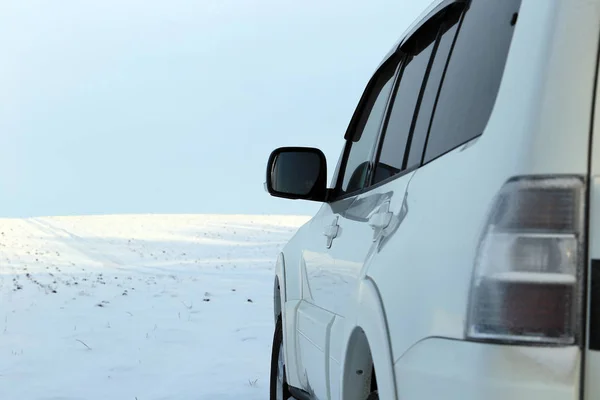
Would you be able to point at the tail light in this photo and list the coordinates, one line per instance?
(527, 281)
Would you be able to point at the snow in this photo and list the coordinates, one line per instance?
(139, 306)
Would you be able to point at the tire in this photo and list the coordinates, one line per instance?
(279, 387)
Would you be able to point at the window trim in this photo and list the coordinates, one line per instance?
(417, 111)
(392, 178)
(437, 96)
(468, 142)
(383, 132)
(436, 10)
(395, 58)
(439, 12)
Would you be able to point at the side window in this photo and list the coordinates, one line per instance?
(472, 78)
(418, 50)
(423, 119)
(364, 136)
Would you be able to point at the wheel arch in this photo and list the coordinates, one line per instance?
(358, 367)
(368, 350)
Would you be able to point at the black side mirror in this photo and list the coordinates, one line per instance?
(297, 173)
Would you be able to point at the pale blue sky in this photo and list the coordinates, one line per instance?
(137, 106)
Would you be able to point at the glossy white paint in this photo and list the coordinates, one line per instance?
(292, 362)
(566, 72)
(315, 319)
(437, 368)
(370, 317)
(407, 292)
(313, 327)
(335, 366)
(293, 297)
(288, 308)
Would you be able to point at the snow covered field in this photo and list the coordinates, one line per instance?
(138, 307)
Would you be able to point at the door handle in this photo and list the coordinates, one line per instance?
(331, 231)
(380, 220)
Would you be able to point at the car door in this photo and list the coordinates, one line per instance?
(369, 217)
(384, 146)
(323, 285)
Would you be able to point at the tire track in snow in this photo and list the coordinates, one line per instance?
(84, 247)
(77, 243)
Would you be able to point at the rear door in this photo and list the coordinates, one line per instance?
(368, 199)
(368, 215)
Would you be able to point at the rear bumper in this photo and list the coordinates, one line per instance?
(438, 368)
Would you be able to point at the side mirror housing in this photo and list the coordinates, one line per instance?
(297, 173)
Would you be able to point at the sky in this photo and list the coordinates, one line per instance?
(145, 106)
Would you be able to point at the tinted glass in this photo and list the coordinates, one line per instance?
(421, 128)
(473, 75)
(358, 161)
(295, 172)
(405, 100)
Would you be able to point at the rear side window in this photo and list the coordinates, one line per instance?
(472, 78)
(418, 54)
(447, 35)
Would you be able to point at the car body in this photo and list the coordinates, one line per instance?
(456, 252)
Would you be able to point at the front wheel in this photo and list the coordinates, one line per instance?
(279, 386)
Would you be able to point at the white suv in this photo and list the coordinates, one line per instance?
(457, 252)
